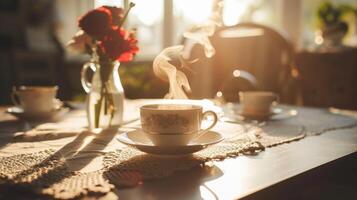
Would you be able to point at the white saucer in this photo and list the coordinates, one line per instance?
(275, 114)
(256, 115)
(39, 116)
(138, 140)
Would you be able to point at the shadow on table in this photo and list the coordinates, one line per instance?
(86, 152)
(12, 131)
(88, 146)
(8, 128)
(188, 184)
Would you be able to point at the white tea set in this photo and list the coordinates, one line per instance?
(36, 103)
(177, 129)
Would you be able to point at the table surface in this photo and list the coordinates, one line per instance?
(247, 174)
(244, 175)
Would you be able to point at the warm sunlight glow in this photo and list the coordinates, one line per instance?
(293, 112)
(294, 73)
(207, 193)
(318, 38)
(148, 12)
(225, 187)
(99, 3)
(236, 73)
(197, 11)
(241, 32)
(233, 10)
(245, 75)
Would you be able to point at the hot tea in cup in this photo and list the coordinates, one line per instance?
(174, 124)
(36, 99)
(257, 102)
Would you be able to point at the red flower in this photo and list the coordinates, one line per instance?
(119, 45)
(103, 25)
(96, 23)
(117, 14)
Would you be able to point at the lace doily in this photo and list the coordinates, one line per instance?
(47, 173)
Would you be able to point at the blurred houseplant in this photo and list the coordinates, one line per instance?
(332, 22)
(103, 37)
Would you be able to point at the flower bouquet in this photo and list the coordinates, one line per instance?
(103, 37)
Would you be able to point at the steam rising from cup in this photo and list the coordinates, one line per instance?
(167, 71)
(201, 33)
(164, 70)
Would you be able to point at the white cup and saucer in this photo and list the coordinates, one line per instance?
(257, 105)
(36, 103)
(173, 129)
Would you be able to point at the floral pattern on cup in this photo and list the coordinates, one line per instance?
(165, 121)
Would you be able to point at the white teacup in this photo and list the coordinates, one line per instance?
(257, 102)
(174, 124)
(36, 99)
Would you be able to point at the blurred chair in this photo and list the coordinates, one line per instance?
(329, 78)
(260, 50)
(253, 49)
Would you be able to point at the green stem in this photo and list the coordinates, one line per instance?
(97, 108)
(112, 109)
(108, 104)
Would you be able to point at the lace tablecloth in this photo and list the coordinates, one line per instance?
(64, 160)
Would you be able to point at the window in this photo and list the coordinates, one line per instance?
(98, 3)
(188, 13)
(160, 23)
(147, 17)
(250, 10)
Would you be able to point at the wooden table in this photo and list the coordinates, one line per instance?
(314, 167)
(256, 175)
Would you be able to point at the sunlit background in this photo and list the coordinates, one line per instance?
(160, 24)
(149, 18)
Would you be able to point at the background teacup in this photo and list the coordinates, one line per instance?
(257, 102)
(174, 124)
(36, 98)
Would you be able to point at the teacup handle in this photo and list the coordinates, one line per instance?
(15, 98)
(215, 119)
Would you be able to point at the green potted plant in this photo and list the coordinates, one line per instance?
(332, 23)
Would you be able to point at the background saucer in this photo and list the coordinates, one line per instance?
(258, 116)
(138, 140)
(40, 116)
(232, 113)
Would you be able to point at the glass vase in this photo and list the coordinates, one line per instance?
(105, 94)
